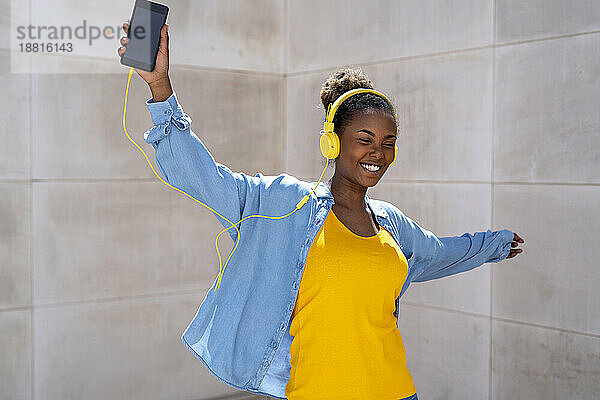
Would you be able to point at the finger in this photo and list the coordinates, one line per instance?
(164, 38)
(121, 50)
(514, 252)
(124, 40)
(125, 27)
(518, 238)
(514, 244)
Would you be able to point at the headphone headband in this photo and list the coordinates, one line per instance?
(331, 109)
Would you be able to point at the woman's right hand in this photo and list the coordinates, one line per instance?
(160, 75)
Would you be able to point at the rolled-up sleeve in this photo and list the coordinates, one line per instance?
(185, 163)
(455, 254)
(430, 257)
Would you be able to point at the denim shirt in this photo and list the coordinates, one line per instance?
(240, 332)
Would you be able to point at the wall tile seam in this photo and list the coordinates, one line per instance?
(392, 60)
(31, 225)
(191, 67)
(474, 182)
(152, 180)
(284, 69)
(501, 319)
(493, 124)
(545, 183)
(234, 396)
(546, 38)
(286, 40)
(547, 327)
(440, 308)
(284, 123)
(287, 73)
(15, 309)
(432, 181)
(115, 299)
(436, 54)
(206, 68)
(400, 181)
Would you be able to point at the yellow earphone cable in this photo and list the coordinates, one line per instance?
(221, 267)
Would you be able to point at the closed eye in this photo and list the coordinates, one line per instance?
(366, 141)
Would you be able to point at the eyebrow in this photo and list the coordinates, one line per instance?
(372, 134)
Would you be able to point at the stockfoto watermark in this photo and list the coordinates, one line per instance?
(30, 40)
(91, 32)
(65, 37)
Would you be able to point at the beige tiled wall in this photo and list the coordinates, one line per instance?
(447, 353)
(235, 35)
(15, 121)
(547, 115)
(327, 34)
(16, 365)
(111, 349)
(538, 19)
(102, 266)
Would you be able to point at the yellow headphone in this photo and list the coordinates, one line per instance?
(333, 136)
(330, 141)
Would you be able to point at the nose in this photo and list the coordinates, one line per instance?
(377, 152)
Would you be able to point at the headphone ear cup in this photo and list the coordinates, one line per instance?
(330, 145)
(336, 145)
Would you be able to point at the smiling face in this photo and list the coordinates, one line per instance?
(368, 138)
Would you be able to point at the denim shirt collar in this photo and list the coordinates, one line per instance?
(322, 191)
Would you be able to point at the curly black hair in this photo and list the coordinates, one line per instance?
(340, 82)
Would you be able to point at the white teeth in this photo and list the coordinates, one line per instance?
(371, 168)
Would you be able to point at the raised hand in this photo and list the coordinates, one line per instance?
(160, 75)
(514, 251)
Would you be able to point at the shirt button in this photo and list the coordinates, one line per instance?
(307, 241)
(273, 344)
(291, 307)
(295, 286)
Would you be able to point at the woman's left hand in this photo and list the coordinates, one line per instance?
(514, 251)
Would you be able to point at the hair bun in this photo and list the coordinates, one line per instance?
(340, 82)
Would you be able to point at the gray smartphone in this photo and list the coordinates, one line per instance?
(145, 24)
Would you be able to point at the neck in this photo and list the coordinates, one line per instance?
(347, 194)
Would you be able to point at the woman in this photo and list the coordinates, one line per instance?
(335, 335)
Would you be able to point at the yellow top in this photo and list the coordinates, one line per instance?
(346, 343)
